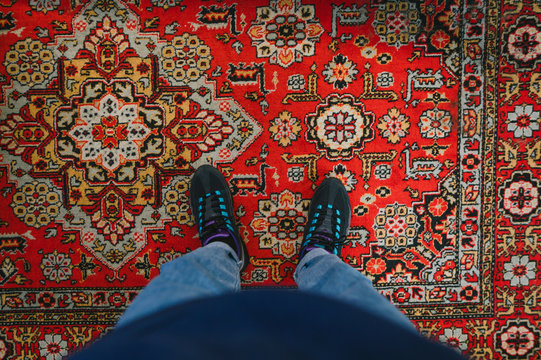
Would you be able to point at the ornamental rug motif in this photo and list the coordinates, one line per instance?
(428, 112)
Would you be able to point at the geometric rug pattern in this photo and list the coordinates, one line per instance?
(428, 112)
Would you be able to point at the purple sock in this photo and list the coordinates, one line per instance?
(220, 235)
(318, 245)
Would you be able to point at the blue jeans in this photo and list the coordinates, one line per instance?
(214, 270)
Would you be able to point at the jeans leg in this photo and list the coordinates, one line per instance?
(210, 270)
(326, 274)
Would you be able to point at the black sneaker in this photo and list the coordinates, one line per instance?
(328, 218)
(212, 208)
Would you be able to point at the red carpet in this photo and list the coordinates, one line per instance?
(429, 113)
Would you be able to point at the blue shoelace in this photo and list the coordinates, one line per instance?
(220, 221)
(322, 239)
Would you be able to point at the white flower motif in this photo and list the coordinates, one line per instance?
(455, 338)
(285, 32)
(520, 270)
(435, 123)
(110, 133)
(518, 340)
(53, 347)
(340, 127)
(520, 47)
(523, 121)
(340, 72)
(56, 266)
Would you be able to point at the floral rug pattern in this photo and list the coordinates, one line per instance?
(428, 112)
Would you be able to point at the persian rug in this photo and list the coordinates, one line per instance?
(428, 112)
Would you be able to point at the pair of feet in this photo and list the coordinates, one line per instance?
(212, 206)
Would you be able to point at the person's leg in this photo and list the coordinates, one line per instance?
(320, 270)
(326, 274)
(207, 271)
(210, 270)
